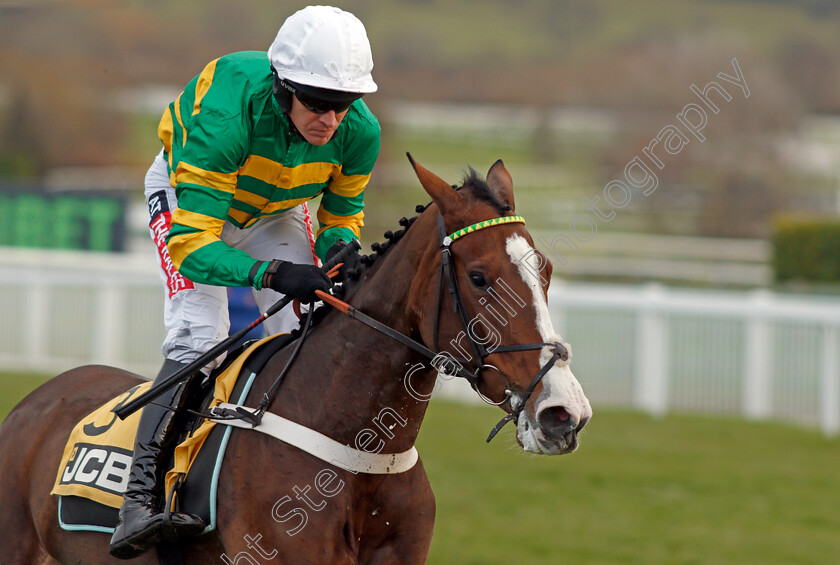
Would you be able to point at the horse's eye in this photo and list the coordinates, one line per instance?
(478, 280)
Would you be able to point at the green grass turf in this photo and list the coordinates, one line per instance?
(14, 387)
(680, 490)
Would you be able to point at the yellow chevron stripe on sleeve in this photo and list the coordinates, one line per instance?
(180, 246)
(198, 221)
(191, 174)
(354, 222)
(349, 186)
(205, 79)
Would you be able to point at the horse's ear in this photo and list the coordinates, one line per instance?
(446, 198)
(501, 183)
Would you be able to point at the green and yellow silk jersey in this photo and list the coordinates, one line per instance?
(232, 156)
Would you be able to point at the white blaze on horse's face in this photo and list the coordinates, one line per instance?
(562, 409)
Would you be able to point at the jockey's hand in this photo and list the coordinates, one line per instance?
(352, 267)
(298, 281)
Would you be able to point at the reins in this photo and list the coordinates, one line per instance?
(480, 352)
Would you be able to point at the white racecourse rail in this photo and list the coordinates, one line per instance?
(756, 354)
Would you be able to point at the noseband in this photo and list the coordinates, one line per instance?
(451, 365)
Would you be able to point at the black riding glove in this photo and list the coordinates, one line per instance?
(298, 281)
(352, 267)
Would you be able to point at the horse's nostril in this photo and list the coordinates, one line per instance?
(582, 424)
(556, 420)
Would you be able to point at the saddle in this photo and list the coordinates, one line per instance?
(94, 468)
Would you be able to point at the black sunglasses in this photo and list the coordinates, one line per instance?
(320, 106)
(316, 100)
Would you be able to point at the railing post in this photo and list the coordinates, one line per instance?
(830, 382)
(108, 325)
(35, 326)
(758, 359)
(557, 311)
(651, 374)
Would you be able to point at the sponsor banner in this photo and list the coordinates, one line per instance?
(33, 217)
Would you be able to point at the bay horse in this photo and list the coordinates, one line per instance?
(493, 327)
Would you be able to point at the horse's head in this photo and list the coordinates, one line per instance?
(487, 312)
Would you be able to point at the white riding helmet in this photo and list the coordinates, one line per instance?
(326, 48)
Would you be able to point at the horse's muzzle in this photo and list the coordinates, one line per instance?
(557, 429)
(551, 427)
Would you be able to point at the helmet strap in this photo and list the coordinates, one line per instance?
(282, 94)
(293, 128)
(284, 99)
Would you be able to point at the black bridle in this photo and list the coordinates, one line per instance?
(480, 352)
(454, 366)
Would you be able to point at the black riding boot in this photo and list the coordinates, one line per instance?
(141, 516)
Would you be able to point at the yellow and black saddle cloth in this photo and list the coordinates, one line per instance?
(94, 469)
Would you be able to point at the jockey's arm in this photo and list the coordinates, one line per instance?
(205, 192)
(341, 215)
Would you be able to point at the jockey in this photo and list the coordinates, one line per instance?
(245, 145)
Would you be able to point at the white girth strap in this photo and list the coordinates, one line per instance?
(326, 448)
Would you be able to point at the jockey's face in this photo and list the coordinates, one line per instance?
(315, 128)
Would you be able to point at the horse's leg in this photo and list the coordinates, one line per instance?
(245, 499)
(272, 511)
(401, 530)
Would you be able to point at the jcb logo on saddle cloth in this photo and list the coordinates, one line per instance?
(97, 457)
(101, 467)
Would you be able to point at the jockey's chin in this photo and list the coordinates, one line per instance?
(318, 138)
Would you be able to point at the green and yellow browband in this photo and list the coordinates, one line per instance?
(481, 225)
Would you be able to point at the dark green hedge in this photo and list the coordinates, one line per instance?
(806, 249)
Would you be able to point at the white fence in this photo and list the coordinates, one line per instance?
(59, 310)
(755, 354)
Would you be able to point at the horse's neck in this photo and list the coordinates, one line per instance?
(355, 384)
